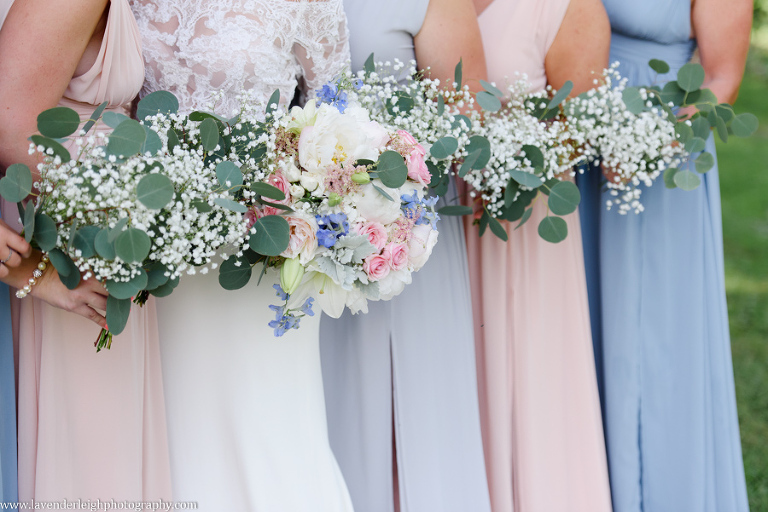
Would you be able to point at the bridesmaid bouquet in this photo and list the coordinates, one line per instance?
(334, 201)
(132, 209)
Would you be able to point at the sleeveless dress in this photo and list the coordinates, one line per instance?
(539, 401)
(670, 408)
(246, 412)
(404, 373)
(92, 426)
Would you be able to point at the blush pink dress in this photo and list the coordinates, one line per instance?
(540, 410)
(92, 426)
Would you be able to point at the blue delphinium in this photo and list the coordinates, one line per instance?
(333, 95)
(419, 209)
(285, 318)
(331, 228)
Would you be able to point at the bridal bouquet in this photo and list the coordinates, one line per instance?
(132, 209)
(334, 201)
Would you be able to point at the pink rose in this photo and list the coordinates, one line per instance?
(417, 167)
(375, 232)
(303, 241)
(251, 216)
(397, 255)
(278, 180)
(376, 267)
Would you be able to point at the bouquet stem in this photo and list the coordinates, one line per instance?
(105, 336)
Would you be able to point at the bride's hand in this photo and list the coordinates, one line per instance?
(13, 249)
(87, 300)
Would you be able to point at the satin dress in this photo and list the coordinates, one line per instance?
(658, 278)
(92, 426)
(539, 402)
(402, 376)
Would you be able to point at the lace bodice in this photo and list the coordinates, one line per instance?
(197, 48)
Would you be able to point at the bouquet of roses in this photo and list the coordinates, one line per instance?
(334, 201)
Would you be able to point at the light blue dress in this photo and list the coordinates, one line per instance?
(402, 377)
(8, 475)
(662, 339)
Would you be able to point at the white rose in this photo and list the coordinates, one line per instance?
(297, 191)
(290, 171)
(374, 207)
(423, 240)
(309, 181)
(393, 284)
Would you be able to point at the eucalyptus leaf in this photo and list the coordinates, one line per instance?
(133, 245)
(119, 227)
(491, 89)
(229, 175)
(684, 133)
(440, 105)
(725, 112)
(16, 185)
(560, 95)
(95, 117)
(155, 191)
(370, 65)
(687, 180)
(534, 155)
(444, 147)
(271, 236)
(497, 229)
(46, 233)
(235, 273)
(55, 147)
(461, 121)
(128, 289)
(118, 311)
(173, 140)
(470, 162)
(669, 177)
(68, 272)
(58, 122)
(659, 66)
(722, 129)
(152, 143)
(483, 223)
(695, 145)
(510, 192)
(157, 275)
(564, 198)
(672, 93)
(704, 162)
(744, 125)
(127, 139)
(84, 241)
(382, 191)
(391, 169)
(633, 100)
(209, 134)
(202, 206)
(526, 179)
(158, 102)
(29, 221)
(104, 247)
(488, 101)
(455, 209)
(526, 216)
(701, 128)
(553, 229)
(479, 143)
(166, 289)
(113, 119)
(273, 102)
(268, 191)
(230, 205)
(457, 74)
(690, 77)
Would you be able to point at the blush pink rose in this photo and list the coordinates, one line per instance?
(376, 267)
(252, 215)
(303, 241)
(417, 167)
(397, 255)
(277, 180)
(375, 232)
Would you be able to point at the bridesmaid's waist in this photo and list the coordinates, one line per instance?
(631, 49)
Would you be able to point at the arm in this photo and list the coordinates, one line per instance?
(722, 29)
(41, 44)
(581, 46)
(450, 32)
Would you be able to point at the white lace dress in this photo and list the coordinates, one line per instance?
(246, 413)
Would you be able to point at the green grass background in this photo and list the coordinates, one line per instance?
(743, 166)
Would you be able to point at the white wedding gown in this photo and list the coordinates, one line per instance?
(246, 412)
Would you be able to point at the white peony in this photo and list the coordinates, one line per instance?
(374, 207)
(422, 242)
(393, 284)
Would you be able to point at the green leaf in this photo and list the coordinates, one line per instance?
(84, 241)
(230, 205)
(58, 149)
(553, 229)
(704, 162)
(488, 101)
(400, 99)
(381, 191)
(444, 147)
(687, 180)
(391, 169)
(29, 221)
(457, 74)
(526, 216)
(533, 155)
(672, 93)
(695, 145)
(461, 121)
(479, 143)
(684, 132)
(202, 206)
(455, 209)
(526, 179)
(209, 134)
(271, 236)
(560, 95)
(497, 229)
(155, 191)
(46, 234)
(114, 119)
(69, 274)
(158, 102)
(127, 139)
(701, 128)
(633, 100)
(690, 77)
(58, 122)
(133, 245)
(370, 65)
(16, 184)
(470, 162)
(229, 175)
(440, 105)
(267, 190)
(156, 275)
(118, 311)
(152, 143)
(491, 89)
(125, 290)
(725, 112)
(510, 192)
(659, 66)
(744, 125)
(564, 198)
(669, 177)
(94, 117)
(722, 129)
(104, 247)
(119, 226)
(173, 140)
(273, 102)
(166, 289)
(235, 273)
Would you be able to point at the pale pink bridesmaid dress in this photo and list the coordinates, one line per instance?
(92, 426)
(539, 402)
